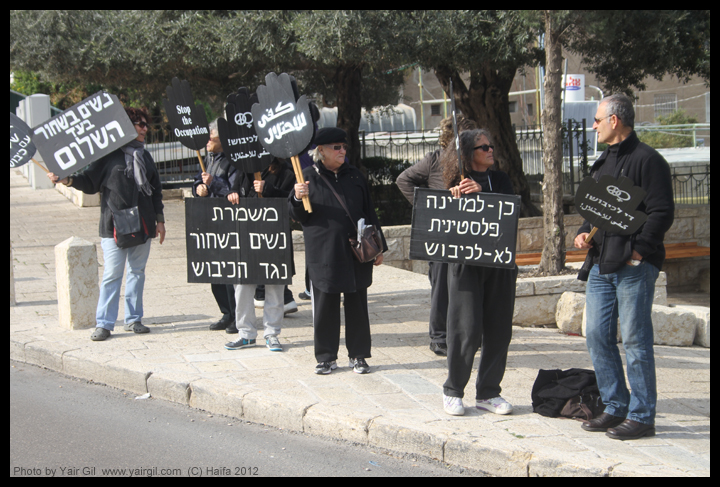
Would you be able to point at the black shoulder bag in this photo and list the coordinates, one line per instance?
(369, 246)
(130, 228)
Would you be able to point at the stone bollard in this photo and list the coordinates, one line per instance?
(76, 270)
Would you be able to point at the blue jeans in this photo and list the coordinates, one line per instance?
(627, 294)
(135, 258)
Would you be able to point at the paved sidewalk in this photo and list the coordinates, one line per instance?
(398, 406)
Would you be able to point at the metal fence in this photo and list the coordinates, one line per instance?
(176, 163)
(691, 184)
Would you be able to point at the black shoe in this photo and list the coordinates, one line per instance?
(136, 327)
(439, 348)
(231, 329)
(602, 422)
(222, 324)
(304, 295)
(630, 430)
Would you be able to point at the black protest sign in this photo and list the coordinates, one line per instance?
(237, 134)
(187, 119)
(610, 204)
(83, 133)
(22, 148)
(476, 229)
(247, 243)
(284, 126)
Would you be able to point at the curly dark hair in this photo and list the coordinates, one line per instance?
(446, 129)
(449, 160)
(137, 114)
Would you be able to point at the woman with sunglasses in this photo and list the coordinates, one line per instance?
(122, 176)
(333, 269)
(481, 300)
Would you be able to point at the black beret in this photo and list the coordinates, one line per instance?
(330, 135)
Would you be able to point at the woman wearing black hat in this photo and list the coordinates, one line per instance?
(330, 262)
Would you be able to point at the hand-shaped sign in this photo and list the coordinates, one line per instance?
(188, 120)
(237, 134)
(21, 147)
(284, 126)
(610, 204)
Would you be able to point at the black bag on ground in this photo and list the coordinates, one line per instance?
(571, 393)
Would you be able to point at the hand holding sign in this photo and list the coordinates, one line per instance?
(610, 204)
(188, 120)
(284, 126)
(21, 147)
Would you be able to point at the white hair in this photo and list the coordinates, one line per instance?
(315, 154)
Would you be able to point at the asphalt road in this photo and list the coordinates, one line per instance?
(61, 426)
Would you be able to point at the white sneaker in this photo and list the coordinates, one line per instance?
(496, 405)
(453, 405)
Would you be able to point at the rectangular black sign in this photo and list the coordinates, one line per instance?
(247, 243)
(83, 133)
(475, 229)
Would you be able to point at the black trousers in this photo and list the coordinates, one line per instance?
(437, 274)
(481, 301)
(326, 321)
(225, 298)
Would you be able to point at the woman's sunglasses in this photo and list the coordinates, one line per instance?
(484, 147)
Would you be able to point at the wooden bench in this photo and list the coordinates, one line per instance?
(672, 251)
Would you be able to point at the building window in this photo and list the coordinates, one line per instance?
(435, 109)
(665, 104)
(513, 106)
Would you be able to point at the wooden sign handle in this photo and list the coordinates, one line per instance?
(202, 166)
(590, 235)
(40, 165)
(299, 177)
(258, 177)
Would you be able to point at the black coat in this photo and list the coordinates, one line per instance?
(108, 176)
(649, 170)
(223, 173)
(328, 257)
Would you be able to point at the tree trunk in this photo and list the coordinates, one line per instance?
(486, 102)
(348, 85)
(553, 254)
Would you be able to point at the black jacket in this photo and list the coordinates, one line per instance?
(649, 170)
(107, 175)
(277, 185)
(223, 173)
(327, 229)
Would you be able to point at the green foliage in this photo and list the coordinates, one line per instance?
(670, 138)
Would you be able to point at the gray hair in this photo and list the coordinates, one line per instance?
(622, 107)
(315, 154)
(212, 126)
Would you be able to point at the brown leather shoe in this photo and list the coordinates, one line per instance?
(602, 422)
(630, 430)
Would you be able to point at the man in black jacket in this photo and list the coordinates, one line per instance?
(621, 282)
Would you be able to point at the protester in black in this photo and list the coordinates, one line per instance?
(215, 182)
(481, 300)
(333, 269)
(428, 173)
